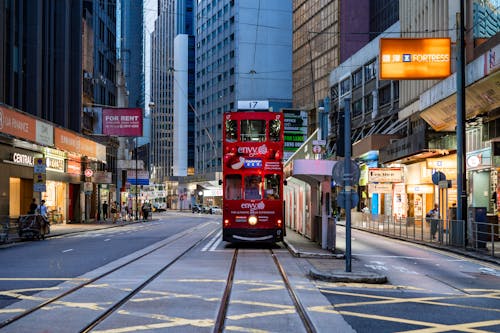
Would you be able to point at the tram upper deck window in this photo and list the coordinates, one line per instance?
(275, 130)
(231, 127)
(253, 130)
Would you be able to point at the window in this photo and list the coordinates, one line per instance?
(253, 130)
(357, 107)
(232, 187)
(357, 79)
(275, 130)
(272, 187)
(369, 102)
(345, 86)
(370, 71)
(253, 187)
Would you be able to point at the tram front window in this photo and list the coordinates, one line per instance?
(252, 188)
(271, 186)
(233, 187)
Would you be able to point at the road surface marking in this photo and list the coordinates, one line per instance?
(68, 250)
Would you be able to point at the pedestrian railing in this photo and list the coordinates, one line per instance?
(481, 236)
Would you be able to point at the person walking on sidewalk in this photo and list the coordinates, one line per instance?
(104, 210)
(114, 211)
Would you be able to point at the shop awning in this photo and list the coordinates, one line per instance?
(480, 97)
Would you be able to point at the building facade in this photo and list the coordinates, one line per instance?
(243, 52)
(38, 66)
(400, 180)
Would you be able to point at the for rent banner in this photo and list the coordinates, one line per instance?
(122, 122)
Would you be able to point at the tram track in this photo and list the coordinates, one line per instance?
(226, 298)
(53, 300)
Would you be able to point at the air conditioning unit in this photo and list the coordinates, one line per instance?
(87, 75)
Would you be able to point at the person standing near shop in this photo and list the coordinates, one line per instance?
(104, 210)
(433, 217)
(33, 207)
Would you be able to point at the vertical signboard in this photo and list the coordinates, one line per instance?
(295, 131)
(39, 175)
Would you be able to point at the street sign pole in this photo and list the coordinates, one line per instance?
(347, 181)
(136, 184)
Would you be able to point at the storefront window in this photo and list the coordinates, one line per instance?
(55, 200)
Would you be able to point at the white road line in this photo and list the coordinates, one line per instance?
(68, 250)
(107, 239)
(219, 240)
(211, 241)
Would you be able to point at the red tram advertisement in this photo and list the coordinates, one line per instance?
(253, 177)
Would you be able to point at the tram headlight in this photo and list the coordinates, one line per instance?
(252, 220)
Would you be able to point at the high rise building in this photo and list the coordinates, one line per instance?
(40, 67)
(243, 52)
(175, 19)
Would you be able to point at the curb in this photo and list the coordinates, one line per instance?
(303, 254)
(349, 277)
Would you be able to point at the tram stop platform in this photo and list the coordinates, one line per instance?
(327, 265)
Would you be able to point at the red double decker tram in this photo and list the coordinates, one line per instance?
(253, 177)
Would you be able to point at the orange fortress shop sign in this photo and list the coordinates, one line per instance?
(414, 58)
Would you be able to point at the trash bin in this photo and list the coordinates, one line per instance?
(332, 233)
(456, 229)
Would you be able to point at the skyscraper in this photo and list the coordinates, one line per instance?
(243, 52)
(175, 18)
(40, 63)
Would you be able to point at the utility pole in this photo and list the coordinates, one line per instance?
(461, 118)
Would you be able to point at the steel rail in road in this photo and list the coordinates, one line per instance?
(101, 276)
(221, 317)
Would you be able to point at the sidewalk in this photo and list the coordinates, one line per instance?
(327, 265)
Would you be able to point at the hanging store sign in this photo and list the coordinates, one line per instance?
(414, 58)
(56, 164)
(122, 122)
(385, 175)
(379, 188)
(102, 177)
(142, 177)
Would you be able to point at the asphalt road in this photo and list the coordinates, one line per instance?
(428, 289)
(43, 264)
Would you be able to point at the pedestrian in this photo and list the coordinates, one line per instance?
(114, 211)
(145, 211)
(433, 217)
(33, 207)
(124, 211)
(105, 210)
